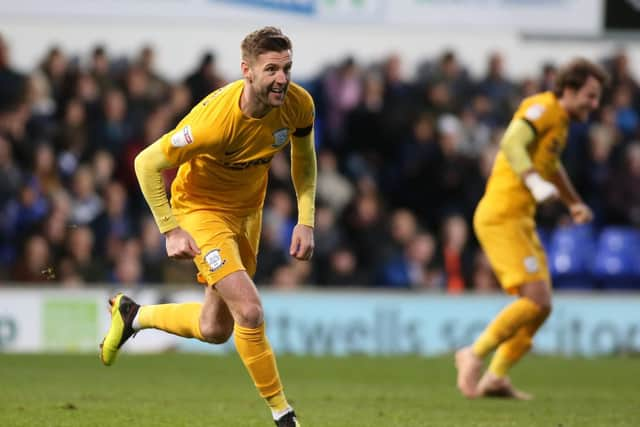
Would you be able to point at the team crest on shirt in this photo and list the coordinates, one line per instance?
(182, 137)
(214, 259)
(280, 137)
(531, 264)
(534, 112)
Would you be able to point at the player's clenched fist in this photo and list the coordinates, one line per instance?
(180, 244)
(302, 243)
(580, 213)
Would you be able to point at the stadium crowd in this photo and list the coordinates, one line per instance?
(402, 165)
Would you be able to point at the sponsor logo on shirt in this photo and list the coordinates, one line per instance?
(280, 137)
(244, 165)
(182, 137)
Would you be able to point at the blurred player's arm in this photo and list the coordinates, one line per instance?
(568, 193)
(517, 138)
(580, 212)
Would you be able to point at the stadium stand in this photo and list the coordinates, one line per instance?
(402, 166)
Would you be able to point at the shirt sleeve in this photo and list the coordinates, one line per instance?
(303, 163)
(194, 135)
(514, 144)
(539, 114)
(306, 116)
(149, 165)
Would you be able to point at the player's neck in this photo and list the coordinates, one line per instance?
(564, 105)
(250, 106)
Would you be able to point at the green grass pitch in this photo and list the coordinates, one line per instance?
(201, 390)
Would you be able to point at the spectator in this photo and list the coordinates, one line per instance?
(35, 263)
(205, 79)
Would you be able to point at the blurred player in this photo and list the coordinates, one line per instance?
(224, 147)
(527, 171)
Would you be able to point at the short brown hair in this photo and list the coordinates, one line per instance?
(267, 39)
(575, 74)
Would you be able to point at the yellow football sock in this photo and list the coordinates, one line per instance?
(278, 402)
(178, 319)
(512, 350)
(256, 354)
(505, 325)
(509, 352)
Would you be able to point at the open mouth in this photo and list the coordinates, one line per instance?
(278, 89)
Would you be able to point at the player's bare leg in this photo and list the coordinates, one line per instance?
(241, 297)
(469, 369)
(216, 321)
(493, 386)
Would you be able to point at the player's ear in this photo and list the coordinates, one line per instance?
(246, 71)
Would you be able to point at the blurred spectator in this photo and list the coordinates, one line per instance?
(364, 229)
(179, 103)
(205, 79)
(54, 69)
(414, 267)
(272, 254)
(342, 89)
(343, 269)
(596, 171)
(113, 222)
(456, 253)
(10, 173)
(114, 128)
(45, 170)
(498, 87)
(127, 270)
(86, 204)
(99, 69)
(154, 255)
(548, 78)
(72, 138)
(366, 139)
(627, 118)
(103, 166)
(333, 188)
(156, 87)
(34, 265)
(81, 257)
(403, 226)
(278, 214)
(623, 192)
(139, 100)
(328, 237)
(483, 278)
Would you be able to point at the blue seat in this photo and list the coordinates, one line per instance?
(571, 250)
(617, 261)
(544, 234)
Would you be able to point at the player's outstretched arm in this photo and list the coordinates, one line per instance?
(580, 212)
(304, 176)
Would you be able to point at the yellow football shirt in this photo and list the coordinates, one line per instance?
(506, 192)
(224, 156)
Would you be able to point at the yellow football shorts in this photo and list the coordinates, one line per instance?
(512, 247)
(227, 243)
